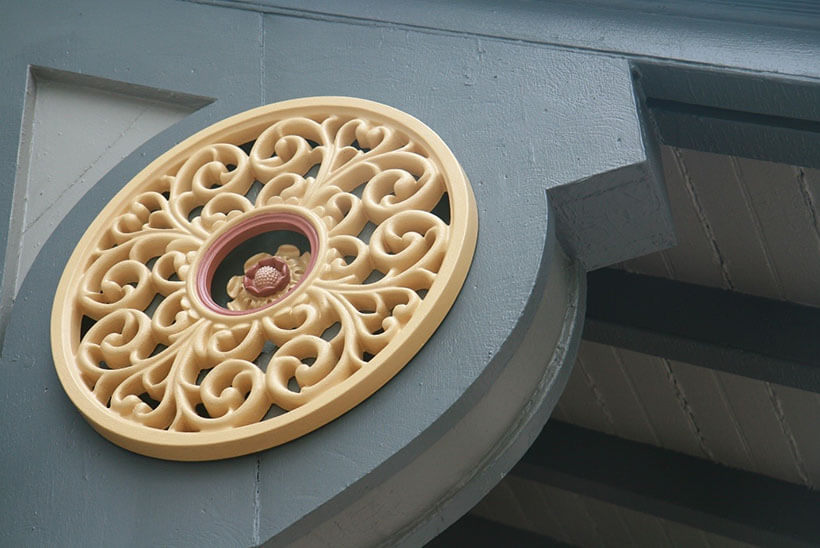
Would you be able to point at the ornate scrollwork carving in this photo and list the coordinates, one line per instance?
(147, 354)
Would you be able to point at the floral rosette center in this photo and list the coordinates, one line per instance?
(267, 278)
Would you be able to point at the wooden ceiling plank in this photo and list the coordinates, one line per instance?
(647, 530)
(803, 411)
(615, 392)
(752, 404)
(720, 197)
(570, 511)
(537, 507)
(761, 427)
(478, 532)
(562, 413)
(524, 495)
(786, 214)
(576, 398)
(693, 258)
(655, 386)
(719, 541)
(502, 505)
(713, 415)
(684, 535)
(610, 527)
(654, 264)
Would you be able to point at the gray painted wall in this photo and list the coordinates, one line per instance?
(75, 130)
(529, 97)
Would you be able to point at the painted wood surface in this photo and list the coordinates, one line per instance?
(746, 225)
(672, 486)
(456, 65)
(583, 521)
(718, 416)
(493, 113)
(58, 172)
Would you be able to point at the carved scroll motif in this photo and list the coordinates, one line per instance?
(379, 201)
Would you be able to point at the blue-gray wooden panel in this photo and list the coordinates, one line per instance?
(493, 103)
(199, 50)
(62, 482)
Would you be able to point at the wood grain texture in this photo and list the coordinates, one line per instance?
(715, 418)
(758, 423)
(730, 419)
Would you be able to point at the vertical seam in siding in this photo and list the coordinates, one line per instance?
(808, 199)
(599, 397)
(744, 443)
(758, 226)
(635, 395)
(689, 186)
(680, 395)
(777, 406)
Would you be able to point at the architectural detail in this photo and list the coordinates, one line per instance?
(267, 278)
(376, 226)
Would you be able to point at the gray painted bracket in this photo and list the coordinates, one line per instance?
(512, 128)
(549, 119)
(604, 184)
(522, 117)
(616, 215)
(621, 213)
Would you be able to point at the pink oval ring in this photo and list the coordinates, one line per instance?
(240, 233)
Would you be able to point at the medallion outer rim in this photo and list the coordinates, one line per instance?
(213, 445)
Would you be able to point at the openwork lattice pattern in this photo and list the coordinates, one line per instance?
(386, 223)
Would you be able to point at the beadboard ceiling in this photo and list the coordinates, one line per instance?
(743, 225)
